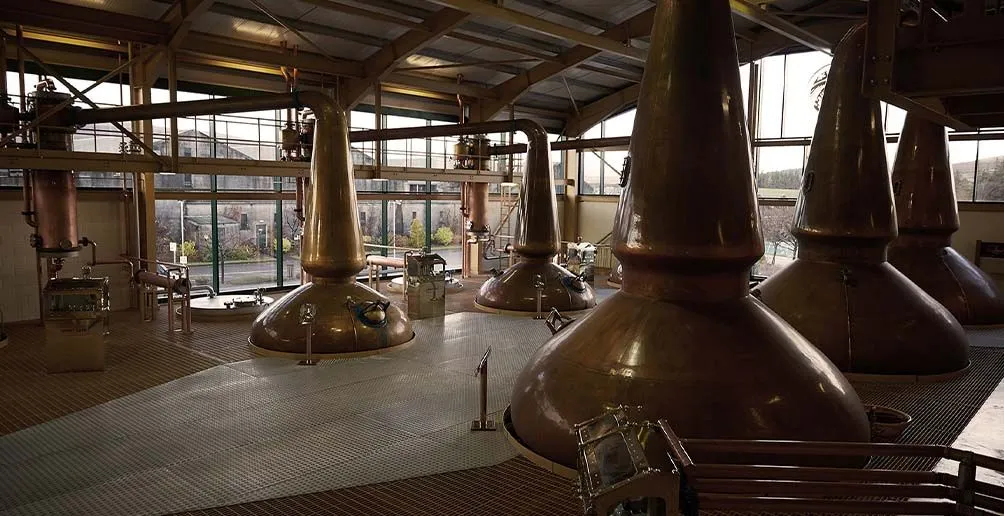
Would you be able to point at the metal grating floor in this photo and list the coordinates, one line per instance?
(382, 434)
(514, 488)
(266, 428)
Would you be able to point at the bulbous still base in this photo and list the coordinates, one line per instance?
(349, 318)
(869, 319)
(966, 291)
(515, 291)
(727, 370)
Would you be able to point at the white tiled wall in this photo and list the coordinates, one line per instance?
(100, 219)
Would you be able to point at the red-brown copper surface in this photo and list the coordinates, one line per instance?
(928, 214)
(683, 338)
(840, 292)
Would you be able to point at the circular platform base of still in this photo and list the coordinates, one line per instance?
(262, 352)
(983, 327)
(216, 309)
(520, 313)
(906, 378)
(537, 460)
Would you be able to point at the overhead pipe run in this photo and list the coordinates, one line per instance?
(840, 292)
(350, 318)
(928, 215)
(683, 339)
(537, 235)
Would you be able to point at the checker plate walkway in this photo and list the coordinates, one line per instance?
(267, 428)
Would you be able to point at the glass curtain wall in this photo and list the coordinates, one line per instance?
(790, 89)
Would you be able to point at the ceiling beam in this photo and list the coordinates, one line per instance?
(179, 18)
(510, 90)
(364, 13)
(299, 24)
(229, 48)
(597, 111)
(542, 26)
(84, 20)
(565, 12)
(774, 23)
(383, 62)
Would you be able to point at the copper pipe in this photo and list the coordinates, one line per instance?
(197, 107)
(683, 339)
(298, 211)
(840, 292)
(20, 67)
(928, 215)
(26, 191)
(177, 285)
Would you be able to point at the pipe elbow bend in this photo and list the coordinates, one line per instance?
(323, 106)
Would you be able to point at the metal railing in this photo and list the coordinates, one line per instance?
(648, 464)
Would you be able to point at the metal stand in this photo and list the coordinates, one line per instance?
(557, 322)
(307, 312)
(538, 283)
(482, 423)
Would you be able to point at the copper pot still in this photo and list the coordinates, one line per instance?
(928, 215)
(683, 338)
(349, 317)
(840, 292)
(537, 241)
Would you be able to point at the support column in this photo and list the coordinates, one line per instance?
(140, 94)
(570, 214)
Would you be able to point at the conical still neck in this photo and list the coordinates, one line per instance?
(846, 198)
(687, 224)
(537, 233)
(333, 244)
(923, 185)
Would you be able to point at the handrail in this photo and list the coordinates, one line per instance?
(783, 488)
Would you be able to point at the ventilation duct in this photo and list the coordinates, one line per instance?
(683, 339)
(840, 292)
(928, 214)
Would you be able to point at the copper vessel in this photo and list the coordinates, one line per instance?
(683, 339)
(350, 317)
(537, 241)
(54, 195)
(840, 292)
(477, 208)
(54, 192)
(928, 214)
